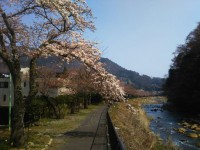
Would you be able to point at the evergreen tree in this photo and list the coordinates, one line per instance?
(183, 83)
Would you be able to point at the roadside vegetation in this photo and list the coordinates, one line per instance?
(42, 133)
(132, 125)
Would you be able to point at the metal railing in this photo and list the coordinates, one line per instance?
(114, 140)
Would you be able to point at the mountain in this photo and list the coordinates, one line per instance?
(133, 78)
(130, 78)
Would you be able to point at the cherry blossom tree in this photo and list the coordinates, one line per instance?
(42, 28)
(50, 85)
(51, 20)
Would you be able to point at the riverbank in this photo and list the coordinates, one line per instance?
(132, 125)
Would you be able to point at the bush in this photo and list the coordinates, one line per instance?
(49, 107)
(35, 109)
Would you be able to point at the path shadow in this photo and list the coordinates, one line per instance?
(80, 134)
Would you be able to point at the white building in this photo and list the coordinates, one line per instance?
(6, 87)
(54, 87)
(25, 81)
(5, 92)
(54, 92)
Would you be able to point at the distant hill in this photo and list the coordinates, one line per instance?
(133, 78)
(130, 78)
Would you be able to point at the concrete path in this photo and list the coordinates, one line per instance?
(91, 135)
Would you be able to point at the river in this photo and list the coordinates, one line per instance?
(165, 124)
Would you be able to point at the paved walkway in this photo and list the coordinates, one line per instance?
(91, 135)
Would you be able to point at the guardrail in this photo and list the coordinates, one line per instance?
(114, 140)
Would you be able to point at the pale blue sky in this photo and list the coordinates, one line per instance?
(141, 35)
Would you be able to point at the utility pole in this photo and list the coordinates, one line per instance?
(10, 101)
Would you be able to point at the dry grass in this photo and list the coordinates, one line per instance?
(4, 134)
(134, 127)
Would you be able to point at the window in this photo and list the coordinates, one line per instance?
(3, 84)
(25, 84)
(4, 98)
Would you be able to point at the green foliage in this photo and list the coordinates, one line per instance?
(48, 107)
(69, 101)
(35, 109)
(183, 83)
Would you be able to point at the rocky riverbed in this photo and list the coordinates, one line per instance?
(182, 129)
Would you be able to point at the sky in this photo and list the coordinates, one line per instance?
(142, 35)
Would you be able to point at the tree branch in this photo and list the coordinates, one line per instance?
(24, 9)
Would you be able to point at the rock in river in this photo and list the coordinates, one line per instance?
(197, 129)
(185, 124)
(193, 135)
(194, 126)
(181, 130)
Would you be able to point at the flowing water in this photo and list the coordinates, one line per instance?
(165, 124)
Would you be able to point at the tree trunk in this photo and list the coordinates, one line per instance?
(72, 107)
(52, 105)
(32, 90)
(85, 101)
(32, 83)
(17, 125)
(17, 128)
(89, 98)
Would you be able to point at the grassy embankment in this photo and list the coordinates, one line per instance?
(44, 132)
(134, 125)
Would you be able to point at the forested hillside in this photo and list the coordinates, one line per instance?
(183, 84)
(133, 78)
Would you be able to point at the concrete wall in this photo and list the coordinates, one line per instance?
(25, 81)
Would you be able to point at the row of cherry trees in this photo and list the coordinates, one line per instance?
(75, 87)
(43, 28)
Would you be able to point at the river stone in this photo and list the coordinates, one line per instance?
(198, 145)
(194, 126)
(185, 124)
(181, 130)
(193, 135)
(197, 129)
